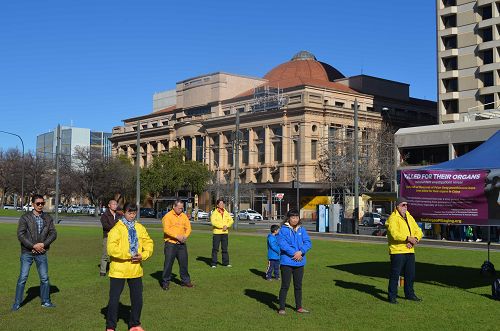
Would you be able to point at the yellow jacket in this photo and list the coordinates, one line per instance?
(398, 230)
(218, 221)
(121, 265)
(175, 225)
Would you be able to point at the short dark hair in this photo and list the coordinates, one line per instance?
(274, 228)
(219, 200)
(176, 202)
(129, 206)
(35, 197)
(290, 213)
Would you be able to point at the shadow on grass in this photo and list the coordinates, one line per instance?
(34, 292)
(368, 289)
(436, 274)
(269, 299)
(207, 260)
(158, 275)
(123, 312)
(259, 273)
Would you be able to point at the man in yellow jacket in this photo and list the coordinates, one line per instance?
(176, 230)
(128, 245)
(403, 235)
(221, 222)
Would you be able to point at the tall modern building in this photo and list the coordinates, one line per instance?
(468, 71)
(72, 137)
(468, 52)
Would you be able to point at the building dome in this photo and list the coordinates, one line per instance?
(302, 69)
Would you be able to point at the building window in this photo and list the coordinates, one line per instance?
(449, 42)
(488, 101)
(200, 144)
(449, 21)
(369, 108)
(451, 106)
(450, 63)
(486, 34)
(188, 145)
(230, 156)
(487, 78)
(296, 151)
(450, 85)
(339, 104)
(314, 149)
(449, 3)
(277, 152)
(277, 131)
(486, 56)
(485, 12)
(261, 153)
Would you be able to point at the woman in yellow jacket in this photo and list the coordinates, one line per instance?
(128, 245)
(221, 222)
(403, 234)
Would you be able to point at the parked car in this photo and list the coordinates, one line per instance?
(10, 207)
(249, 214)
(91, 210)
(74, 209)
(28, 207)
(147, 212)
(371, 219)
(201, 214)
(60, 209)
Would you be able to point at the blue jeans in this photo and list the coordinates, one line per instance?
(43, 272)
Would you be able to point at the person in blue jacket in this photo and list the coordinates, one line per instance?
(294, 243)
(273, 254)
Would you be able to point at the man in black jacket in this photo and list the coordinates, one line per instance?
(36, 232)
(108, 220)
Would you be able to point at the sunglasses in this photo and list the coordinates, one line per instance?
(404, 205)
(40, 203)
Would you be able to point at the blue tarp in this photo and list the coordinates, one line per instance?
(485, 156)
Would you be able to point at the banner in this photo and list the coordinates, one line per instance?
(451, 196)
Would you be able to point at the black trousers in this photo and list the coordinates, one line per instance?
(402, 263)
(273, 266)
(115, 290)
(222, 240)
(172, 252)
(287, 272)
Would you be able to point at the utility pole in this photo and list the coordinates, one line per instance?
(138, 171)
(58, 152)
(237, 170)
(356, 168)
(297, 140)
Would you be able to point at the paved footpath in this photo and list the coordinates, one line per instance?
(262, 230)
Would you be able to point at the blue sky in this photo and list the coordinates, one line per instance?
(94, 63)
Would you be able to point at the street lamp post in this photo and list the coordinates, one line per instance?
(22, 165)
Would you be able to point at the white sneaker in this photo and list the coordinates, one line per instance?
(479, 240)
(213, 266)
(229, 266)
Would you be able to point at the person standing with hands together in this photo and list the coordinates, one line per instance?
(294, 243)
(35, 232)
(403, 234)
(176, 230)
(128, 245)
(221, 222)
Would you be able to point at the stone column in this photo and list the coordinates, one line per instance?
(266, 176)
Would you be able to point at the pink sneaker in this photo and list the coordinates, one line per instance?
(136, 328)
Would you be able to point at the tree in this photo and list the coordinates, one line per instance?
(170, 172)
(99, 178)
(376, 161)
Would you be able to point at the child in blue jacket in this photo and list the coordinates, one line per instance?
(294, 243)
(273, 253)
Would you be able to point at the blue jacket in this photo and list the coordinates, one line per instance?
(291, 241)
(273, 249)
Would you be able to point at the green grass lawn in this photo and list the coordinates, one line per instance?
(345, 288)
